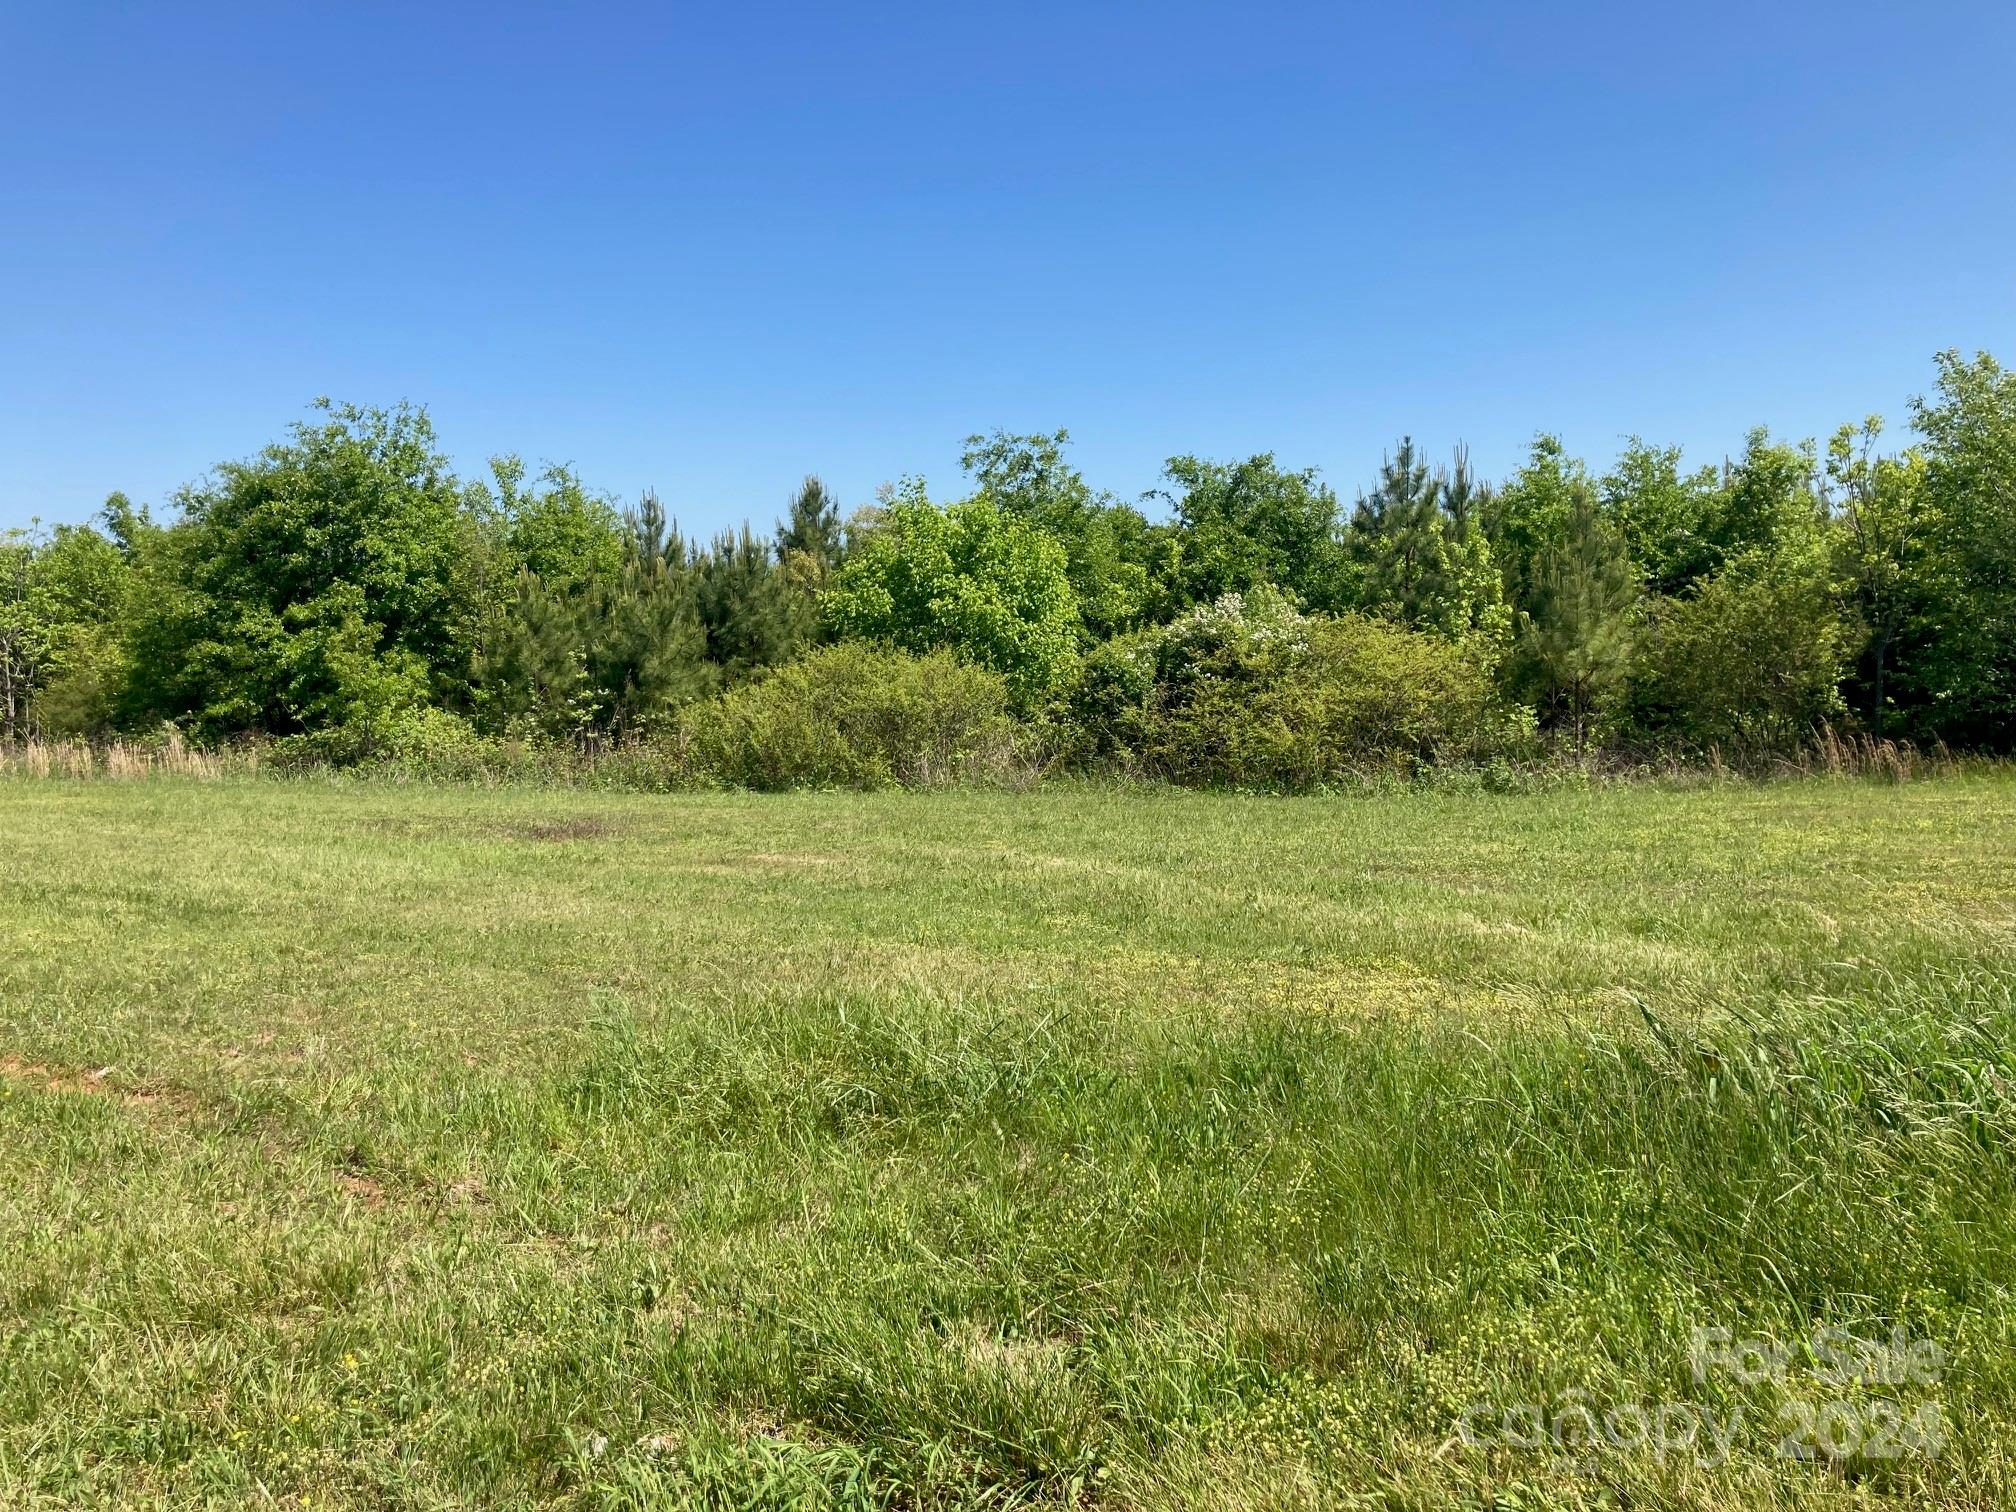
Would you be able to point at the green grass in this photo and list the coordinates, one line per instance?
(371, 1146)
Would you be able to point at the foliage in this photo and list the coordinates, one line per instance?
(1574, 593)
(1965, 673)
(856, 716)
(62, 657)
(1665, 517)
(1418, 554)
(1247, 692)
(1109, 549)
(82, 580)
(811, 542)
(22, 634)
(970, 578)
(325, 581)
(614, 658)
(1250, 523)
(752, 613)
(555, 529)
(1881, 551)
(339, 584)
(1752, 661)
(1768, 499)
(1533, 511)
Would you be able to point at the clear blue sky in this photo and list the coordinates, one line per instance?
(709, 248)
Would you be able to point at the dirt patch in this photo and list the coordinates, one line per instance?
(407, 827)
(53, 1079)
(96, 1082)
(362, 1187)
(465, 1191)
(560, 831)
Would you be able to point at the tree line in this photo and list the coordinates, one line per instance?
(345, 588)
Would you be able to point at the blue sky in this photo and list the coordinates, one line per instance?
(710, 248)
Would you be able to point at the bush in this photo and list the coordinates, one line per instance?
(1246, 692)
(1751, 663)
(1127, 687)
(857, 716)
(418, 738)
(968, 578)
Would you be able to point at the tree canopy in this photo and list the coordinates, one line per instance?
(344, 583)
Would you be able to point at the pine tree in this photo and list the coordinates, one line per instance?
(1418, 550)
(812, 533)
(752, 616)
(645, 648)
(605, 658)
(1574, 622)
(1396, 541)
(811, 545)
(648, 535)
(530, 676)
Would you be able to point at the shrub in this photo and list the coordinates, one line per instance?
(969, 578)
(858, 716)
(1246, 692)
(1106, 711)
(420, 738)
(1750, 663)
(1127, 687)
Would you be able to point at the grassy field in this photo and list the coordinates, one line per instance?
(369, 1146)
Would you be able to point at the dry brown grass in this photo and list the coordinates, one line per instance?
(122, 760)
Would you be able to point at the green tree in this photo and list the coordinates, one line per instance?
(646, 647)
(1247, 523)
(969, 578)
(811, 542)
(1417, 549)
(1966, 674)
(1569, 584)
(1574, 626)
(1396, 541)
(1749, 662)
(22, 633)
(555, 528)
(1108, 546)
(1769, 498)
(79, 582)
(1666, 517)
(603, 656)
(1475, 610)
(327, 581)
(531, 674)
(751, 613)
(1531, 512)
(1884, 525)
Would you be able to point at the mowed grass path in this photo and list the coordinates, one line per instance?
(369, 1146)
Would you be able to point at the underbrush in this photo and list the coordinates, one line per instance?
(763, 745)
(1245, 694)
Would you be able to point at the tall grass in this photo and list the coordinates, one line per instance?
(119, 760)
(682, 763)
